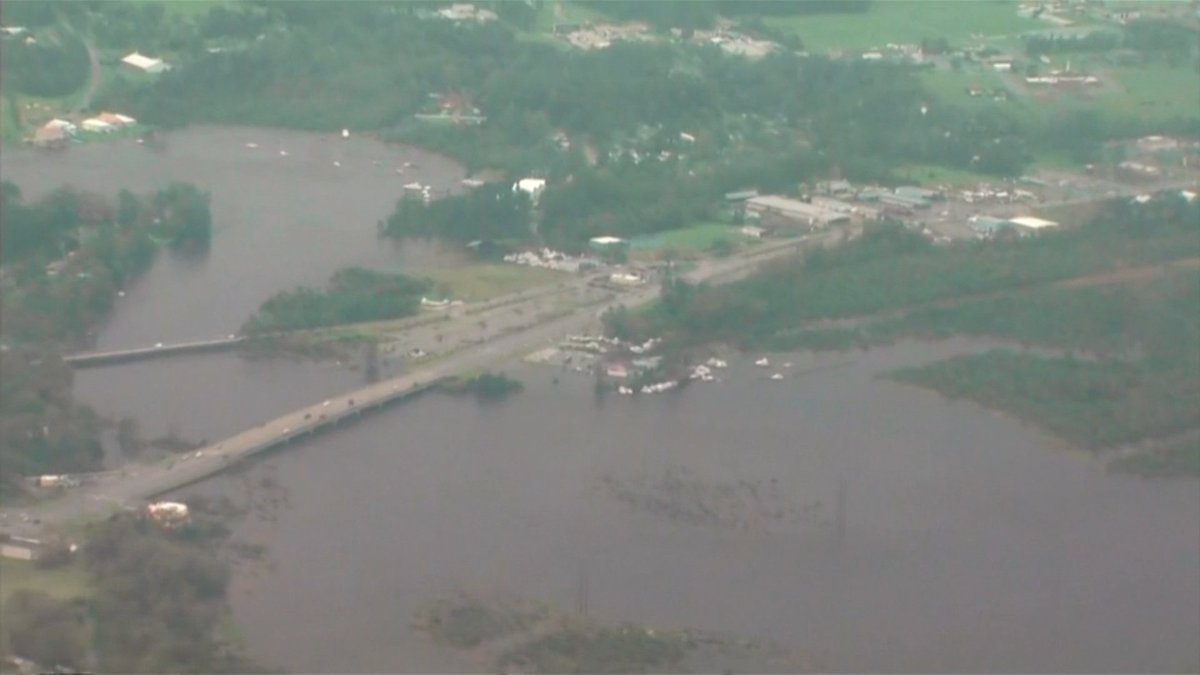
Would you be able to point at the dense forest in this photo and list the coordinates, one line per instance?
(354, 295)
(306, 61)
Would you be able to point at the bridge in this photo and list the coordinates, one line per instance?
(87, 359)
(130, 487)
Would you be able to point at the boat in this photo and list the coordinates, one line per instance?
(762, 362)
(777, 376)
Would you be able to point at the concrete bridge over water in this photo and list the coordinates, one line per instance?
(131, 487)
(101, 358)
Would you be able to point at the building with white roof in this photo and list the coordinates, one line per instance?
(795, 210)
(145, 63)
(1032, 223)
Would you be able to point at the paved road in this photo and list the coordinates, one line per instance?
(140, 482)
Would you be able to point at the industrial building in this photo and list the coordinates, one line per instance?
(784, 210)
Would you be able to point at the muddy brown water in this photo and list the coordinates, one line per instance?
(279, 221)
(972, 541)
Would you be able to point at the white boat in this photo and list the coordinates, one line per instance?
(283, 153)
(777, 376)
(762, 362)
(252, 145)
(345, 133)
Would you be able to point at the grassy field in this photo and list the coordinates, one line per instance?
(1156, 91)
(192, 8)
(906, 21)
(473, 283)
(925, 174)
(551, 13)
(69, 581)
(698, 237)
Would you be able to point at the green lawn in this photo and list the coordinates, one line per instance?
(907, 21)
(951, 86)
(68, 581)
(473, 283)
(191, 8)
(1158, 91)
(928, 174)
(571, 12)
(699, 237)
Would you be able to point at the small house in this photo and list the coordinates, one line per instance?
(607, 244)
(49, 137)
(20, 548)
(1032, 224)
(145, 64)
(97, 125)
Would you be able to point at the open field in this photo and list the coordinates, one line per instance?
(698, 237)
(1157, 91)
(931, 174)
(904, 21)
(68, 581)
(550, 13)
(473, 283)
(192, 8)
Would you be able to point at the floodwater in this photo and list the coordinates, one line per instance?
(279, 221)
(972, 543)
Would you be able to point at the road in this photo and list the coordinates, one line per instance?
(137, 483)
(85, 102)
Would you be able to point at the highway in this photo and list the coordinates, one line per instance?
(139, 482)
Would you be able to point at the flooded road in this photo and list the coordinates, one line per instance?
(972, 542)
(279, 220)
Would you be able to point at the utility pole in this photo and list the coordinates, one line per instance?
(840, 512)
(581, 590)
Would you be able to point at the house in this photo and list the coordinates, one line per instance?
(903, 202)
(617, 370)
(605, 244)
(988, 226)
(168, 514)
(1032, 224)
(794, 211)
(116, 120)
(50, 137)
(65, 125)
(97, 125)
(835, 187)
(531, 186)
(20, 548)
(917, 192)
(145, 64)
(740, 195)
(626, 279)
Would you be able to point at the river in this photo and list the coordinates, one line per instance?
(972, 542)
(279, 221)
